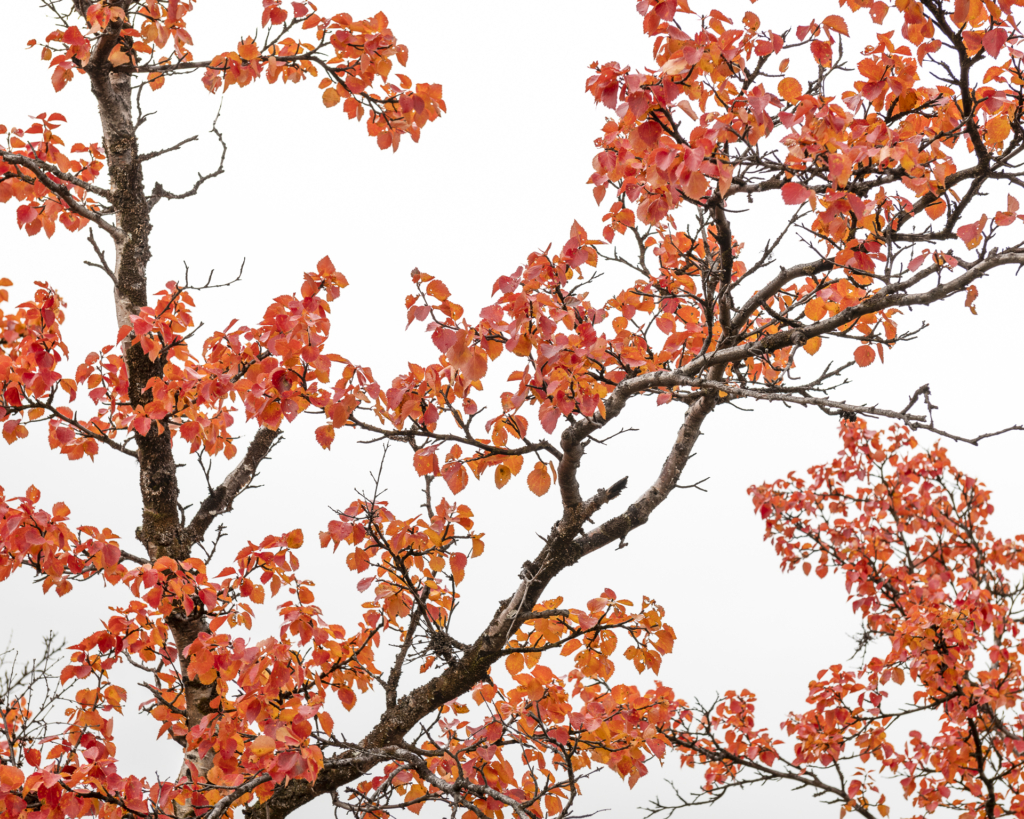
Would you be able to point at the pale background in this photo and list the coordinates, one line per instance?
(502, 174)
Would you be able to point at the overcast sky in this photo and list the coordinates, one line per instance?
(502, 174)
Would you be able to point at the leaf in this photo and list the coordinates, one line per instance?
(539, 480)
(331, 97)
(822, 51)
(994, 41)
(325, 436)
(649, 132)
(438, 290)
(514, 664)
(456, 476)
(458, 564)
(793, 193)
(695, 186)
(475, 365)
(970, 234)
(502, 475)
(26, 214)
(918, 261)
(425, 461)
(790, 89)
(326, 722)
(724, 178)
(972, 295)
(263, 745)
(864, 355)
(815, 309)
(812, 345)
(10, 778)
(836, 23)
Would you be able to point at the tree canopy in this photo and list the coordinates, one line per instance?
(771, 199)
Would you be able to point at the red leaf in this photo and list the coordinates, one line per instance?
(864, 356)
(456, 476)
(26, 214)
(822, 51)
(793, 193)
(649, 132)
(994, 41)
(970, 234)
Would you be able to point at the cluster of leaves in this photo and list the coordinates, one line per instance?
(274, 369)
(151, 39)
(270, 700)
(939, 597)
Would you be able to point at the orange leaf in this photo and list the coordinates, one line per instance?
(815, 309)
(263, 745)
(331, 97)
(458, 562)
(326, 721)
(864, 355)
(475, 366)
(836, 23)
(10, 778)
(539, 480)
(325, 436)
(790, 89)
(724, 178)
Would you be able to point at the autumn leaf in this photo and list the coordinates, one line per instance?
(10, 778)
(456, 476)
(970, 235)
(793, 193)
(822, 51)
(790, 90)
(331, 97)
(864, 355)
(458, 564)
(836, 23)
(539, 480)
(815, 309)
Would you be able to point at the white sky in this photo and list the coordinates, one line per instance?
(502, 174)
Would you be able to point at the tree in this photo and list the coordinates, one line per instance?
(877, 182)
